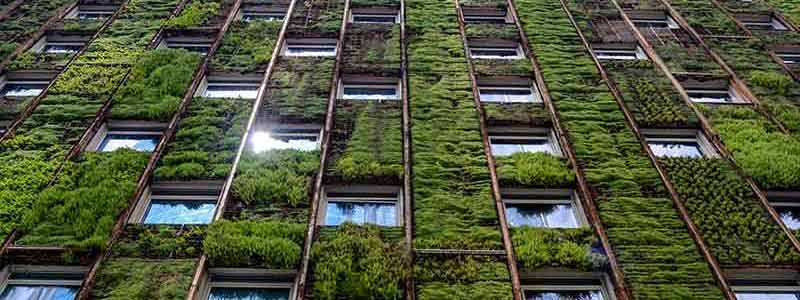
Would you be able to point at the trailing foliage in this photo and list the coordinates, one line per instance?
(25, 174)
(571, 248)
(138, 279)
(372, 49)
(317, 18)
(247, 46)
(161, 241)
(265, 244)
(197, 13)
(706, 18)
(302, 89)
(357, 262)
(24, 21)
(206, 141)
(461, 277)
(534, 170)
(81, 208)
(726, 212)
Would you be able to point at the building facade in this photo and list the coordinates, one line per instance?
(400, 149)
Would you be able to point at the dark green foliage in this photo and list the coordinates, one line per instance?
(24, 174)
(480, 290)
(88, 80)
(705, 17)
(727, 213)
(688, 57)
(493, 31)
(357, 262)
(534, 170)
(206, 141)
(461, 277)
(81, 209)
(138, 279)
(265, 244)
(318, 17)
(196, 13)
(546, 247)
(372, 49)
(23, 22)
(247, 46)
(770, 157)
(39, 61)
(156, 85)
(371, 145)
(516, 114)
(162, 241)
(303, 87)
(789, 8)
(503, 67)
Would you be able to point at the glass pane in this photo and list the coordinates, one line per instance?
(248, 294)
(767, 296)
(524, 215)
(263, 141)
(509, 147)
(311, 51)
(84, 15)
(49, 48)
(564, 295)
(143, 143)
(38, 292)
(790, 58)
(616, 55)
(369, 93)
(373, 19)
(790, 216)
(676, 149)
(494, 53)
(262, 17)
(510, 95)
(541, 215)
(231, 91)
(383, 214)
(22, 89)
(201, 49)
(180, 212)
(710, 97)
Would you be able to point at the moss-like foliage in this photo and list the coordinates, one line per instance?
(81, 209)
(87, 80)
(534, 170)
(571, 248)
(770, 157)
(196, 13)
(369, 142)
(706, 18)
(138, 279)
(23, 22)
(24, 175)
(39, 61)
(162, 241)
(357, 262)
(644, 229)
(372, 49)
(461, 277)
(728, 215)
(789, 8)
(156, 85)
(206, 141)
(266, 244)
(302, 89)
(247, 46)
(271, 183)
(453, 203)
(500, 114)
(317, 18)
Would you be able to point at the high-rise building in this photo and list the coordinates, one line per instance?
(400, 149)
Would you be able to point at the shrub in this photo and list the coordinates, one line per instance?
(267, 244)
(196, 13)
(137, 279)
(571, 248)
(535, 170)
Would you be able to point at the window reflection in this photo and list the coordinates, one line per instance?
(38, 292)
(180, 212)
(541, 215)
(767, 296)
(506, 95)
(219, 293)
(790, 215)
(22, 89)
(564, 295)
(143, 143)
(370, 93)
(244, 91)
(380, 213)
(302, 141)
(675, 149)
(506, 147)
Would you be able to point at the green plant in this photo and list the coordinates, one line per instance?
(268, 244)
(571, 248)
(138, 279)
(461, 277)
(195, 14)
(534, 169)
(276, 178)
(160, 242)
(247, 46)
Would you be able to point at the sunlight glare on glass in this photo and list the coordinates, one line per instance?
(263, 141)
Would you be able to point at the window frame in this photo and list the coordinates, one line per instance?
(774, 24)
(114, 127)
(7, 271)
(668, 20)
(555, 148)
(517, 49)
(784, 199)
(107, 12)
(208, 283)
(484, 19)
(191, 191)
(535, 95)
(170, 43)
(270, 16)
(548, 197)
(732, 94)
(5, 83)
(602, 282)
(609, 54)
(285, 49)
(364, 85)
(704, 145)
(351, 195)
(287, 130)
(794, 58)
(353, 15)
(217, 81)
(41, 45)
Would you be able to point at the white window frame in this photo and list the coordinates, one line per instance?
(285, 50)
(572, 198)
(603, 284)
(397, 201)
(517, 50)
(5, 275)
(353, 15)
(343, 85)
(555, 149)
(142, 208)
(105, 130)
(277, 132)
(201, 91)
(705, 147)
(4, 81)
(613, 54)
(732, 94)
(794, 58)
(208, 283)
(671, 24)
(537, 98)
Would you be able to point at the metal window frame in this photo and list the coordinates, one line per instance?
(397, 200)
(555, 149)
(208, 283)
(397, 87)
(352, 17)
(287, 45)
(638, 53)
(774, 23)
(732, 94)
(4, 82)
(705, 147)
(105, 130)
(75, 12)
(784, 55)
(537, 197)
(669, 21)
(142, 207)
(603, 283)
(277, 16)
(5, 275)
(537, 97)
(203, 88)
(517, 50)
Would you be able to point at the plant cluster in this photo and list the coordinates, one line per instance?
(547, 247)
(317, 18)
(26, 20)
(139, 279)
(162, 241)
(246, 47)
(706, 18)
(534, 170)
(728, 215)
(461, 277)
(265, 244)
(789, 8)
(372, 49)
(196, 13)
(357, 262)
(302, 87)
(500, 114)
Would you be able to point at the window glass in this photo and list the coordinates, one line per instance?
(541, 215)
(307, 141)
(506, 95)
(62, 48)
(256, 16)
(369, 93)
(789, 58)
(89, 15)
(380, 213)
(505, 147)
(616, 54)
(38, 292)
(494, 53)
(22, 89)
(384, 19)
(245, 91)
(311, 50)
(196, 48)
(219, 293)
(485, 19)
(564, 295)
(710, 96)
(180, 212)
(790, 215)
(768, 296)
(144, 143)
(675, 149)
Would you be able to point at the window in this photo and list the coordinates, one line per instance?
(585, 286)
(770, 23)
(362, 205)
(545, 209)
(40, 282)
(713, 96)
(22, 88)
(788, 207)
(481, 15)
(789, 58)
(506, 145)
(369, 91)
(619, 53)
(249, 16)
(381, 16)
(231, 87)
(301, 137)
(246, 284)
(136, 135)
(680, 145)
(783, 289)
(91, 12)
(303, 48)
(197, 45)
(500, 52)
(509, 94)
(178, 203)
(666, 22)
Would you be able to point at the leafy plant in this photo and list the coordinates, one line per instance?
(267, 244)
(197, 13)
(138, 279)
